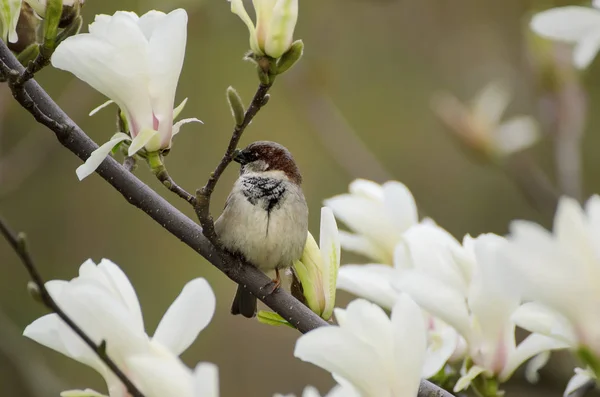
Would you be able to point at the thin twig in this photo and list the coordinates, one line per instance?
(204, 194)
(163, 176)
(47, 112)
(18, 243)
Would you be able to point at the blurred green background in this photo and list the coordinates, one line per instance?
(358, 105)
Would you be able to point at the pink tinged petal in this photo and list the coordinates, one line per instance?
(570, 24)
(371, 282)
(409, 346)
(400, 205)
(206, 380)
(580, 379)
(189, 314)
(159, 376)
(437, 298)
(491, 103)
(281, 28)
(516, 134)
(147, 137)
(97, 156)
(330, 252)
(533, 345)
(166, 53)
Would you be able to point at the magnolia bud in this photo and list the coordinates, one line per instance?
(275, 23)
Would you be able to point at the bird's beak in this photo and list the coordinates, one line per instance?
(238, 157)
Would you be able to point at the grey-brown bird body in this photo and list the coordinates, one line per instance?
(265, 217)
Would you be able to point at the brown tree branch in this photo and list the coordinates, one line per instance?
(202, 204)
(17, 242)
(35, 100)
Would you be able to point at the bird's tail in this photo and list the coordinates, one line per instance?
(244, 303)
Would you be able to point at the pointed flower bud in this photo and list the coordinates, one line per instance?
(136, 62)
(275, 23)
(9, 16)
(318, 268)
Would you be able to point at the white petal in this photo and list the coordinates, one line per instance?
(177, 111)
(370, 282)
(99, 108)
(81, 393)
(362, 246)
(534, 365)
(150, 22)
(586, 50)
(465, 380)
(167, 50)
(330, 252)
(533, 345)
(177, 126)
(97, 156)
(189, 314)
(437, 298)
(580, 379)
(206, 380)
(409, 346)
(537, 318)
(516, 134)
(144, 138)
(281, 28)
(569, 23)
(159, 376)
(491, 102)
(400, 204)
(367, 189)
(443, 342)
(44, 331)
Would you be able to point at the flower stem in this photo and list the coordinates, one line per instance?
(158, 168)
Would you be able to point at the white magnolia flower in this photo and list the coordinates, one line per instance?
(136, 62)
(318, 268)
(377, 355)
(103, 303)
(560, 272)
(275, 23)
(581, 378)
(481, 313)
(9, 16)
(572, 24)
(428, 249)
(377, 214)
(479, 125)
(336, 391)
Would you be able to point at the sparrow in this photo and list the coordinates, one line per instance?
(265, 219)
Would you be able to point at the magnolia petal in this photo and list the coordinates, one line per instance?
(441, 346)
(363, 246)
(367, 189)
(44, 331)
(466, 380)
(330, 252)
(97, 156)
(206, 380)
(540, 319)
(237, 7)
(177, 126)
(167, 51)
(177, 111)
(581, 378)
(437, 298)
(160, 376)
(371, 282)
(409, 346)
(491, 102)
(189, 314)
(150, 21)
(400, 205)
(534, 365)
(533, 345)
(142, 139)
(99, 108)
(81, 393)
(516, 134)
(571, 23)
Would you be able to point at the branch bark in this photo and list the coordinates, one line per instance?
(33, 98)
